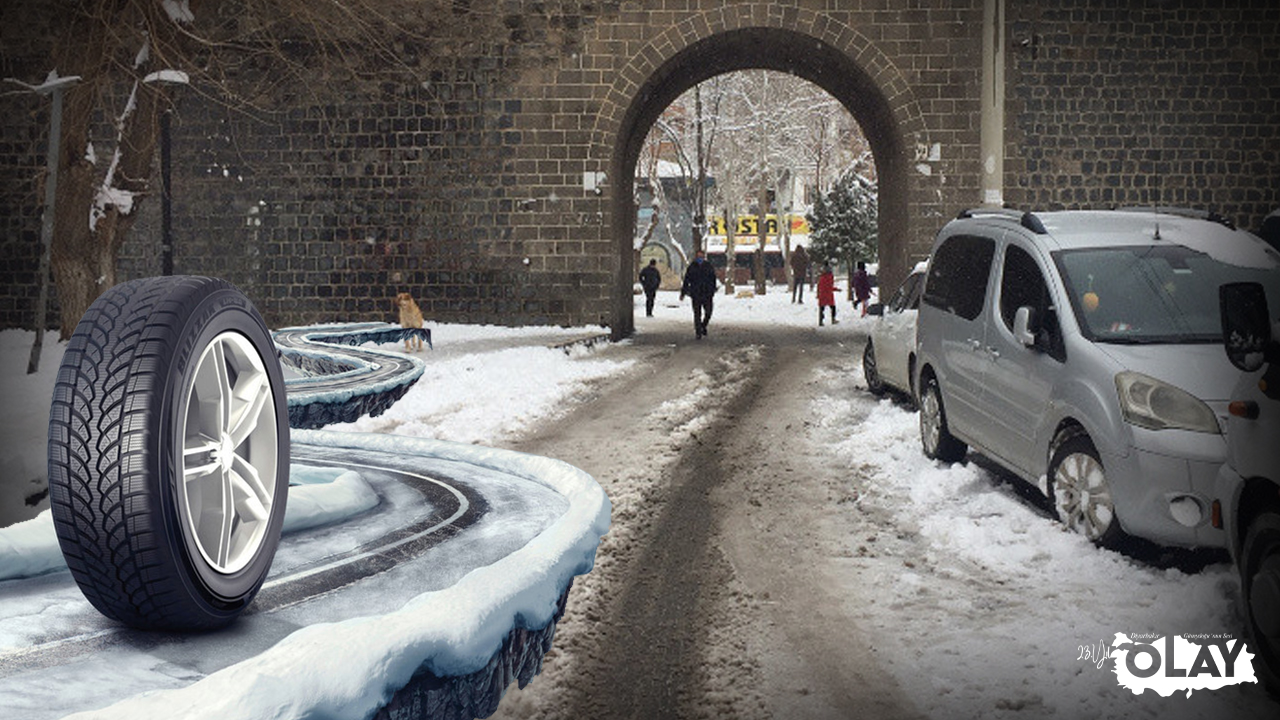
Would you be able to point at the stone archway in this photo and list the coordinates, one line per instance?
(831, 55)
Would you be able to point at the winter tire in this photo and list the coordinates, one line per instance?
(1080, 492)
(169, 453)
(939, 443)
(875, 385)
(1260, 584)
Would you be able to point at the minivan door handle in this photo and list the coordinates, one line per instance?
(975, 344)
(995, 354)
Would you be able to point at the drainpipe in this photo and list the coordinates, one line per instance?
(991, 140)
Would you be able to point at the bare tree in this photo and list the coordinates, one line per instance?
(765, 114)
(135, 58)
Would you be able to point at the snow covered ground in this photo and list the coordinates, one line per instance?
(1052, 597)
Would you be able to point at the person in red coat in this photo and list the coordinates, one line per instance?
(827, 293)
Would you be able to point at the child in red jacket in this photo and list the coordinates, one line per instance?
(827, 293)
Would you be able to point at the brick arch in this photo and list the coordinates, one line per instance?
(810, 45)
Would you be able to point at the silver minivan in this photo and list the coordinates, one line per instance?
(1082, 351)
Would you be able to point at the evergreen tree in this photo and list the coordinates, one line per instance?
(843, 223)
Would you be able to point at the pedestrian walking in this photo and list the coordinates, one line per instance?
(799, 266)
(650, 279)
(861, 287)
(827, 293)
(700, 285)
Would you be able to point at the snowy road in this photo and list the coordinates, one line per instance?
(780, 548)
(705, 602)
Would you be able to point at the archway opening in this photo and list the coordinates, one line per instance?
(739, 165)
(784, 51)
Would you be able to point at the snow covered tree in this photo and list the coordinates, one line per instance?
(843, 223)
(773, 129)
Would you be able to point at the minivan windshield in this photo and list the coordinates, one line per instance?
(1153, 293)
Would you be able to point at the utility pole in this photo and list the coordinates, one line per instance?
(53, 86)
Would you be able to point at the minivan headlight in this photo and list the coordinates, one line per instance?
(1157, 405)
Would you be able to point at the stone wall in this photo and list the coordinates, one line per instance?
(1134, 103)
(494, 186)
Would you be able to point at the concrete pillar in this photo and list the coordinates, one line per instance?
(991, 141)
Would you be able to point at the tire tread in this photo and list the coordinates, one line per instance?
(100, 448)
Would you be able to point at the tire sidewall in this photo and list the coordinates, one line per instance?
(931, 394)
(224, 309)
(1263, 531)
(871, 372)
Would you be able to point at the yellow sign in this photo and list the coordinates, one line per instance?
(748, 226)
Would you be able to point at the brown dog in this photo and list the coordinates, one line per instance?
(410, 317)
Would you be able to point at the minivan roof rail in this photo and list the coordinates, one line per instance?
(1027, 220)
(1194, 213)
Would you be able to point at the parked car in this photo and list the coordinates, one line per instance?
(1080, 350)
(890, 353)
(1248, 505)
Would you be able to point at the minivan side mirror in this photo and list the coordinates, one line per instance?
(1022, 326)
(1246, 329)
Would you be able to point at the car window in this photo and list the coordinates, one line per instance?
(899, 297)
(958, 275)
(916, 281)
(1021, 284)
(907, 297)
(1153, 293)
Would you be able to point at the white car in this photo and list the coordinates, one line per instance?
(888, 361)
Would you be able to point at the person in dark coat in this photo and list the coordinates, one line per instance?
(827, 293)
(799, 266)
(861, 287)
(700, 286)
(650, 279)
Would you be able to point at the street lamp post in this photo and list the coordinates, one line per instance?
(53, 86)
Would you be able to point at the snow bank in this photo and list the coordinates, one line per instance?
(351, 668)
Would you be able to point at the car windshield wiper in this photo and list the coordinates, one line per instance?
(1158, 340)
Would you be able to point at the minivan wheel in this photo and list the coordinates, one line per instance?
(1260, 581)
(939, 443)
(875, 385)
(169, 453)
(1080, 491)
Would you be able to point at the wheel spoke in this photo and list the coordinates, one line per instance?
(244, 494)
(199, 471)
(223, 384)
(228, 518)
(248, 475)
(254, 391)
(207, 448)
